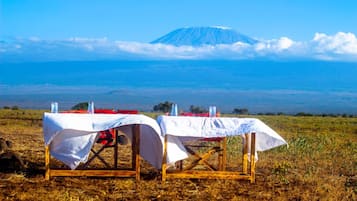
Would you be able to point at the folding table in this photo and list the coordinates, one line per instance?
(70, 138)
(256, 135)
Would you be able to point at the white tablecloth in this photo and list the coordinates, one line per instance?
(71, 136)
(182, 128)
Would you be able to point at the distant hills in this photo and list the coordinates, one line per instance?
(198, 36)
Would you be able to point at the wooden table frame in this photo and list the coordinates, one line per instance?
(114, 172)
(247, 173)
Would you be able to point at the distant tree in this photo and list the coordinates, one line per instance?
(197, 109)
(6, 107)
(15, 107)
(270, 113)
(240, 111)
(80, 106)
(162, 107)
(303, 114)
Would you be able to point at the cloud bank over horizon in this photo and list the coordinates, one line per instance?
(341, 46)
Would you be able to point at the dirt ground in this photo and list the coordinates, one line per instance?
(279, 177)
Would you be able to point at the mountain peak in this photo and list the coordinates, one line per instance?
(198, 36)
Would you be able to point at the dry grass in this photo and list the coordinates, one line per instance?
(320, 164)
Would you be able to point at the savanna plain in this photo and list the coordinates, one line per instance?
(320, 163)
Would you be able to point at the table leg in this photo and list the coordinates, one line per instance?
(252, 158)
(116, 148)
(164, 158)
(47, 162)
(220, 156)
(245, 153)
(136, 150)
(224, 154)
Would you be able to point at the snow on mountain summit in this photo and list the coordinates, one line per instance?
(198, 36)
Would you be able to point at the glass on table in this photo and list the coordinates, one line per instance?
(91, 107)
(54, 107)
(212, 111)
(174, 110)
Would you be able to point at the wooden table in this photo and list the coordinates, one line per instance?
(70, 138)
(247, 173)
(114, 171)
(177, 129)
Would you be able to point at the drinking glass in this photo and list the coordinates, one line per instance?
(212, 111)
(174, 110)
(54, 107)
(91, 107)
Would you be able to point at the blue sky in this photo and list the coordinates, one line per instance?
(82, 30)
(143, 21)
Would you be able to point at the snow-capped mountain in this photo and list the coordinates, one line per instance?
(185, 43)
(198, 36)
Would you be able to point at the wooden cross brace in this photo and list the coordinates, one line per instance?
(202, 159)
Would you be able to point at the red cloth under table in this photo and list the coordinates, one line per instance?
(107, 137)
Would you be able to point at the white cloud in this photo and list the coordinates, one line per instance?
(34, 39)
(285, 43)
(162, 50)
(340, 43)
(341, 46)
(90, 44)
(275, 45)
(89, 40)
(236, 47)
